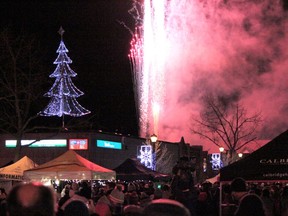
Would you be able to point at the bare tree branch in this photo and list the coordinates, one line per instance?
(21, 80)
(225, 125)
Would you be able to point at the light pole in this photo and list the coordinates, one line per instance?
(221, 149)
(153, 139)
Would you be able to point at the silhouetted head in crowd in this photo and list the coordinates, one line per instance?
(109, 187)
(238, 189)
(238, 185)
(33, 199)
(133, 210)
(266, 192)
(285, 192)
(76, 208)
(165, 207)
(252, 205)
(85, 190)
(2, 190)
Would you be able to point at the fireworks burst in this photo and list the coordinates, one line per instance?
(184, 49)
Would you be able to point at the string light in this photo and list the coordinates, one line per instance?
(63, 93)
(146, 157)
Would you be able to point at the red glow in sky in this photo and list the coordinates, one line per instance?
(191, 48)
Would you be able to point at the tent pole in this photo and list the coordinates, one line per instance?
(220, 201)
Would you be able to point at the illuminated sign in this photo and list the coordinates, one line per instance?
(275, 161)
(146, 156)
(78, 144)
(109, 144)
(216, 161)
(40, 143)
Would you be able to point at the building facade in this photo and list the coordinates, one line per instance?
(104, 149)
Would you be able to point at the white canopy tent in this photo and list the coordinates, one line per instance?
(69, 165)
(214, 179)
(14, 172)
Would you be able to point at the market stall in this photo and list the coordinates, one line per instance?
(69, 165)
(267, 164)
(14, 172)
(132, 169)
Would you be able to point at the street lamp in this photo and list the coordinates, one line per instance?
(240, 155)
(153, 138)
(221, 149)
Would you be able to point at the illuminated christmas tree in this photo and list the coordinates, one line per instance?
(63, 93)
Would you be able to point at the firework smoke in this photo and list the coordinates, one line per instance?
(193, 47)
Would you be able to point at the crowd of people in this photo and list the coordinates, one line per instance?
(178, 197)
(146, 198)
(118, 198)
(35, 199)
(240, 198)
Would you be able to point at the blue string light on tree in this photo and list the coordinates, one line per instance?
(63, 93)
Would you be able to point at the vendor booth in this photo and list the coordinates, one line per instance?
(132, 169)
(267, 164)
(214, 179)
(14, 172)
(69, 165)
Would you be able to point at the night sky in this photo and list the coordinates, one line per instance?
(231, 51)
(98, 46)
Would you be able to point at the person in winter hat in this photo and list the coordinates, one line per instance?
(111, 204)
